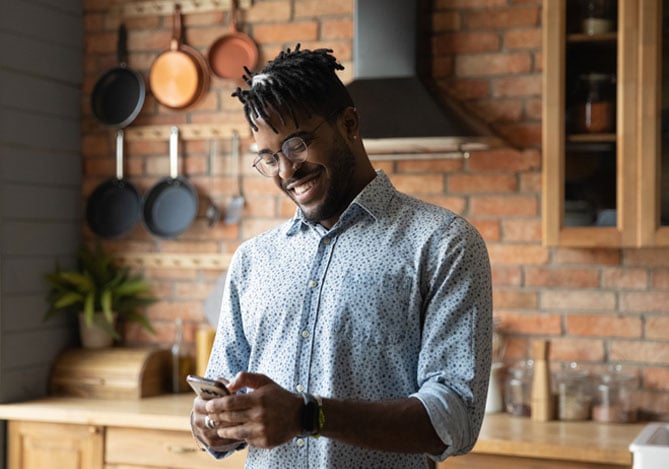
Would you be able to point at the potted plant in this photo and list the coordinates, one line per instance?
(100, 292)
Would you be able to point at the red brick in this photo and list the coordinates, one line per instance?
(587, 256)
(639, 351)
(418, 184)
(252, 228)
(576, 349)
(561, 277)
(503, 276)
(443, 165)
(269, 12)
(657, 327)
(501, 254)
(469, 4)
(516, 230)
(640, 302)
(517, 86)
(467, 89)
(337, 29)
(489, 229)
(524, 134)
(446, 21)
(578, 300)
(455, 204)
(530, 323)
(504, 160)
(660, 279)
(498, 110)
(492, 64)
(624, 278)
(533, 108)
(502, 18)
(465, 43)
(603, 325)
(649, 257)
(655, 378)
(311, 8)
(286, 32)
(522, 39)
(481, 183)
(514, 299)
(504, 205)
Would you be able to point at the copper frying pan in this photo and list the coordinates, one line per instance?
(230, 53)
(179, 76)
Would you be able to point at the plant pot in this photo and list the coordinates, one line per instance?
(96, 335)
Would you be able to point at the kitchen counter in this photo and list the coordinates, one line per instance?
(501, 435)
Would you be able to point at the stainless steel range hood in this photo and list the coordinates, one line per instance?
(401, 112)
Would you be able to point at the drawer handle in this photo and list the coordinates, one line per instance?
(178, 449)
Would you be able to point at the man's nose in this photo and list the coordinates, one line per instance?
(286, 167)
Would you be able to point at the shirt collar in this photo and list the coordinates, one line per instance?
(373, 199)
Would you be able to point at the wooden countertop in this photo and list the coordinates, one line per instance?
(501, 434)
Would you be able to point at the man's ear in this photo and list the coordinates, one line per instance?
(351, 122)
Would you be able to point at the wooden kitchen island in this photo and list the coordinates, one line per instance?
(154, 433)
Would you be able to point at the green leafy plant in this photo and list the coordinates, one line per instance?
(99, 287)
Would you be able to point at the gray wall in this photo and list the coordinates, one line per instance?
(40, 181)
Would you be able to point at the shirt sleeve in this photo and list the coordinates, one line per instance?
(454, 362)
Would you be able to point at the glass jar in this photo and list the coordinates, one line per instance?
(597, 17)
(615, 398)
(518, 388)
(574, 393)
(595, 108)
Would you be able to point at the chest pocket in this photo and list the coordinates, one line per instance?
(373, 308)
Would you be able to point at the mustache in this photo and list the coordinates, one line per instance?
(299, 174)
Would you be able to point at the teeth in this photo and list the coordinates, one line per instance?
(303, 188)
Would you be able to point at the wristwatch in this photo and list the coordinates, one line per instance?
(313, 417)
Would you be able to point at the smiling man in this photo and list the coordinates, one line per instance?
(358, 333)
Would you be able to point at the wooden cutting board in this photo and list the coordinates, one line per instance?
(112, 373)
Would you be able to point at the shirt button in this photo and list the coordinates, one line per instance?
(299, 388)
(300, 442)
(326, 241)
(305, 334)
(313, 283)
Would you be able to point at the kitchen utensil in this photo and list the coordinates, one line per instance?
(170, 206)
(179, 76)
(213, 214)
(233, 212)
(230, 53)
(115, 205)
(118, 95)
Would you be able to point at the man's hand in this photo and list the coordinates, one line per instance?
(266, 416)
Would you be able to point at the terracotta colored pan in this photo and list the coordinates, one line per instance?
(179, 76)
(230, 53)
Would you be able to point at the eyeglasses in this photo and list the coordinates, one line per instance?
(295, 149)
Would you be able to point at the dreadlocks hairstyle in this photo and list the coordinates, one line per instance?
(299, 81)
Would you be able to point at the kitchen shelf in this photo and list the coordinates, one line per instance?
(161, 7)
(186, 132)
(174, 261)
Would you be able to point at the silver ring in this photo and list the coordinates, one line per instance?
(209, 423)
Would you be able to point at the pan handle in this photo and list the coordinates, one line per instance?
(233, 16)
(119, 154)
(174, 143)
(122, 46)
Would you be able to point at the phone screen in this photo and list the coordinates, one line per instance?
(207, 388)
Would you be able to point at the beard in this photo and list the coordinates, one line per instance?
(339, 190)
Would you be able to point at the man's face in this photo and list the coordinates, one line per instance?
(322, 186)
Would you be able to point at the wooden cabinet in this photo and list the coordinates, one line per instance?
(605, 123)
(38, 445)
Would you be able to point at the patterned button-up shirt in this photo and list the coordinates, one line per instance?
(393, 301)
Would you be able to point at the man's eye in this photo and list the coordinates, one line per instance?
(294, 145)
(268, 159)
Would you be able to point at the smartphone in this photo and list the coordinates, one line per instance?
(207, 388)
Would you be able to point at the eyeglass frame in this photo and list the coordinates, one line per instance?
(260, 157)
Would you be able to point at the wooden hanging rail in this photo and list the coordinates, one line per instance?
(186, 132)
(166, 7)
(174, 261)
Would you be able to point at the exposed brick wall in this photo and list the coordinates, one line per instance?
(595, 305)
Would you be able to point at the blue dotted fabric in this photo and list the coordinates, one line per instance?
(393, 301)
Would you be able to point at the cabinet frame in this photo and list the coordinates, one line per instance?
(638, 150)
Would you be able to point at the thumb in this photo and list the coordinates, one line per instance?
(244, 379)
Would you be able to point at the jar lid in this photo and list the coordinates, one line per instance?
(596, 76)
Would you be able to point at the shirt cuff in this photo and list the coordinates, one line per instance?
(449, 417)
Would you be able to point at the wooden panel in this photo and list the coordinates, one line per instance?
(26, 128)
(34, 445)
(51, 25)
(485, 461)
(40, 165)
(162, 448)
(40, 202)
(40, 95)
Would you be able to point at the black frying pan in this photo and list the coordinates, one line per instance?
(115, 205)
(118, 95)
(170, 206)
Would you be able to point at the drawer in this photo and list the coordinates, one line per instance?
(162, 448)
